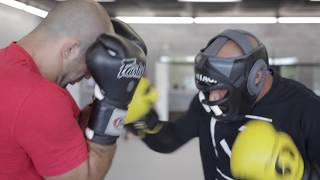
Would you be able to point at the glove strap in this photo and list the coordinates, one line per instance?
(99, 139)
(150, 124)
(106, 123)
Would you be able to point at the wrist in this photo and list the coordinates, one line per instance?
(106, 123)
(97, 138)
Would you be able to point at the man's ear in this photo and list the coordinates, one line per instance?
(70, 50)
(259, 76)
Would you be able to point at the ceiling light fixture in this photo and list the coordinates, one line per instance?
(156, 20)
(299, 20)
(25, 7)
(95, 0)
(235, 20)
(283, 61)
(106, 0)
(214, 1)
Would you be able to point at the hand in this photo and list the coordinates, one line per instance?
(144, 97)
(84, 116)
(117, 63)
(261, 153)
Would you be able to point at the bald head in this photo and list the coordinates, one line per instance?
(84, 20)
(231, 49)
(59, 43)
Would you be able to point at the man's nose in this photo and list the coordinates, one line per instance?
(216, 95)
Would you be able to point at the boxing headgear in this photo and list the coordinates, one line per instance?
(237, 75)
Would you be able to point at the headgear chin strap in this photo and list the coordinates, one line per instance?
(236, 75)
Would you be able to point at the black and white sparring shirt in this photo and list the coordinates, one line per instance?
(290, 106)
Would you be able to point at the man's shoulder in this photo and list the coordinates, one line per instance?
(32, 84)
(297, 90)
(47, 87)
(47, 102)
(48, 92)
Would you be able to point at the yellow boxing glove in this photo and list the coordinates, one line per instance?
(261, 153)
(144, 97)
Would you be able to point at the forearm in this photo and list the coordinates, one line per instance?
(164, 137)
(94, 168)
(167, 140)
(100, 156)
(100, 160)
(157, 135)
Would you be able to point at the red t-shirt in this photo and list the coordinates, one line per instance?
(39, 135)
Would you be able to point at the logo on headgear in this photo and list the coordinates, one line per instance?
(205, 79)
(131, 69)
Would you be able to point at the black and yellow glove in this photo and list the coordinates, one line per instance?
(261, 153)
(141, 118)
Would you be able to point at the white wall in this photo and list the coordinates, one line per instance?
(281, 40)
(14, 24)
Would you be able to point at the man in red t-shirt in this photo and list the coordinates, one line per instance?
(39, 135)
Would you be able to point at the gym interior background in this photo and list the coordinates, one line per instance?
(290, 29)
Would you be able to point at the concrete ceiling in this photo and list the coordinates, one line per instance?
(175, 8)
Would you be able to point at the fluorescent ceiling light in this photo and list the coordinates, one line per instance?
(217, 1)
(106, 0)
(283, 61)
(95, 0)
(315, 0)
(156, 20)
(297, 20)
(235, 20)
(177, 59)
(25, 7)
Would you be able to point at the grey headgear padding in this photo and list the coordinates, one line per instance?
(216, 45)
(254, 88)
(238, 37)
